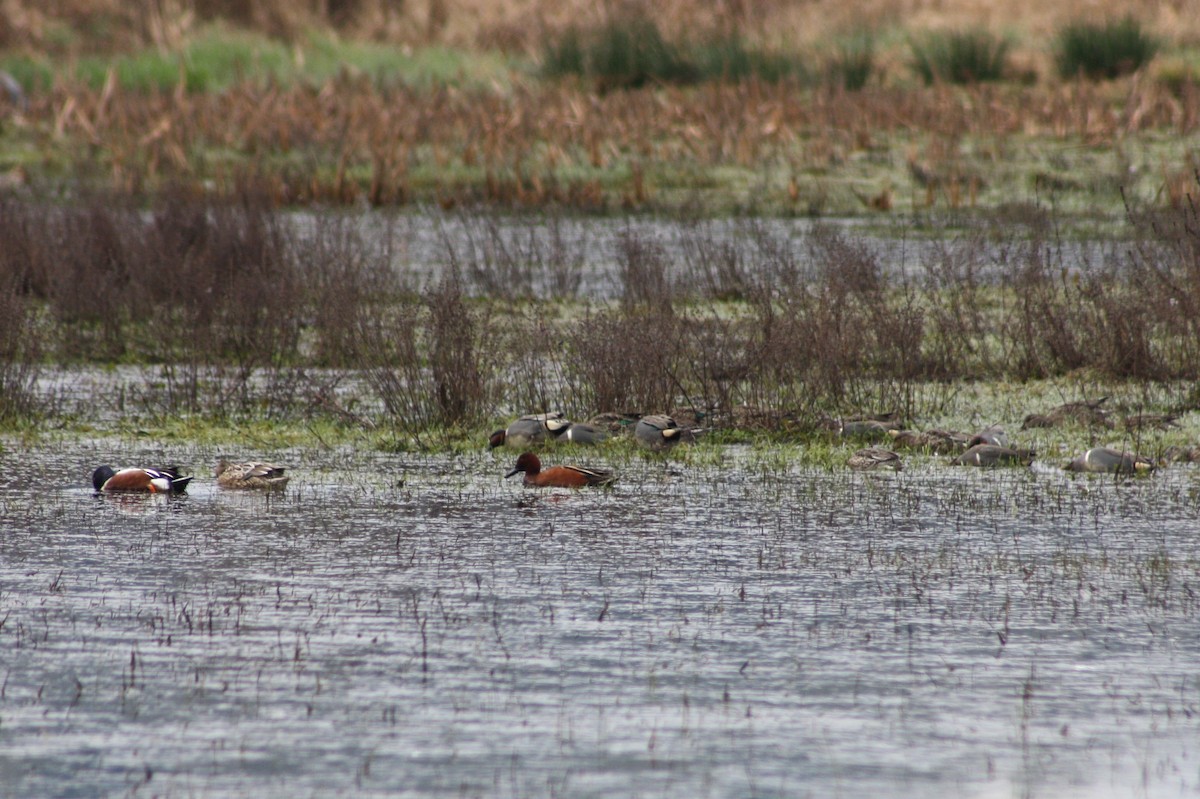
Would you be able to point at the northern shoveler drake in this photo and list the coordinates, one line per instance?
(1112, 461)
(559, 476)
(1085, 412)
(875, 458)
(994, 455)
(528, 430)
(251, 474)
(659, 431)
(154, 481)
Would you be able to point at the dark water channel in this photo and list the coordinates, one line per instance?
(754, 630)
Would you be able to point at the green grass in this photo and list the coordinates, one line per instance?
(626, 53)
(729, 58)
(218, 57)
(1103, 50)
(631, 52)
(960, 57)
(853, 62)
(33, 74)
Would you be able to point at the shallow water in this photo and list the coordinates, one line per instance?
(533, 254)
(416, 626)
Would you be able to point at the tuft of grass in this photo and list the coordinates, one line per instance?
(961, 57)
(853, 62)
(630, 52)
(32, 74)
(1103, 50)
(626, 53)
(729, 58)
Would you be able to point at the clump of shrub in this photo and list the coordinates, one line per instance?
(1103, 50)
(626, 360)
(960, 57)
(429, 361)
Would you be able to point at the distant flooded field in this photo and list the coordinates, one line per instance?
(401, 625)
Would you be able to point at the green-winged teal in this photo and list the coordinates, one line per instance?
(1112, 461)
(994, 455)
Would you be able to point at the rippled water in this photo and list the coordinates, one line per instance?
(417, 626)
(423, 245)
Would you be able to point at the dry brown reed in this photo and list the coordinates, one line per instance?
(351, 140)
(522, 25)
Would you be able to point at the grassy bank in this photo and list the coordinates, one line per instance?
(728, 119)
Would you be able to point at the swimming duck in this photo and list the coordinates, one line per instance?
(155, 481)
(251, 474)
(659, 431)
(875, 458)
(994, 455)
(1112, 461)
(559, 476)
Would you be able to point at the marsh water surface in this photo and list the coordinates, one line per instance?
(416, 626)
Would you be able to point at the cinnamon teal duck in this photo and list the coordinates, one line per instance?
(558, 476)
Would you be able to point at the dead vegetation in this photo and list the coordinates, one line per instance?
(237, 301)
(351, 141)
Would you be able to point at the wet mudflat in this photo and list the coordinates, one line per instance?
(766, 630)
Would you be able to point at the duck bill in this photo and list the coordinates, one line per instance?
(510, 474)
